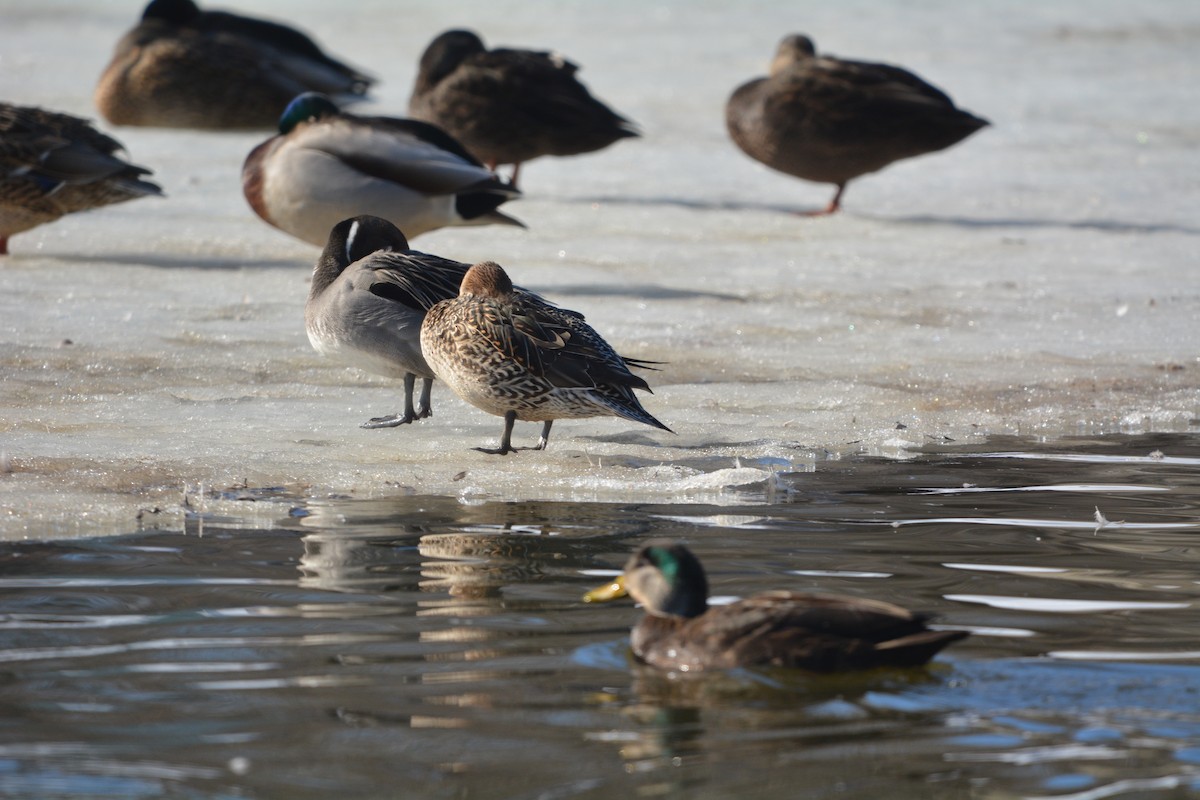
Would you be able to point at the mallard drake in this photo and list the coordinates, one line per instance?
(326, 166)
(817, 632)
(182, 67)
(52, 164)
(510, 106)
(520, 360)
(830, 120)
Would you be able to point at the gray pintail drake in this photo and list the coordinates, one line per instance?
(509, 106)
(368, 297)
(53, 164)
(326, 165)
(519, 360)
(182, 67)
(830, 120)
(817, 632)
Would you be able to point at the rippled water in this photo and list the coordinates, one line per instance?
(423, 647)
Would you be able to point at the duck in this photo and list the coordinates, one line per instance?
(830, 120)
(183, 67)
(521, 360)
(509, 106)
(326, 165)
(368, 297)
(53, 164)
(822, 633)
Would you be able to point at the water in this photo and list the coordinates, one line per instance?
(1037, 279)
(424, 646)
(313, 610)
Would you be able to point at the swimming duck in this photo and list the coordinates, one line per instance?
(509, 106)
(830, 120)
(326, 166)
(182, 67)
(519, 360)
(817, 632)
(52, 164)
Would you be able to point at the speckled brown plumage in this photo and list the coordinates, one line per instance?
(527, 361)
(508, 106)
(368, 297)
(52, 164)
(831, 120)
(818, 632)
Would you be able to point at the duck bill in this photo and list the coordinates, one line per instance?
(610, 591)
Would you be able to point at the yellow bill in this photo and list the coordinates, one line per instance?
(610, 591)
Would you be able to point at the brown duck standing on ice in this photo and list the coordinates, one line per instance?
(508, 106)
(817, 632)
(520, 358)
(52, 164)
(830, 120)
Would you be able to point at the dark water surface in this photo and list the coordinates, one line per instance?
(423, 647)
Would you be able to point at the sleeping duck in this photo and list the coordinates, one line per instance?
(326, 166)
(830, 120)
(52, 164)
(509, 106)
(181, 67)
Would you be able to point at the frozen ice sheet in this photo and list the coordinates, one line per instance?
(1036, 279)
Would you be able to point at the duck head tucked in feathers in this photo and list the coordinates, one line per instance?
(183, 67)
(326, 165)
(830, 120)
(508, 105)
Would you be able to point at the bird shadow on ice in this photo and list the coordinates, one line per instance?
(1106, 225)
(641, 291)
(164, 261)
(687, 202)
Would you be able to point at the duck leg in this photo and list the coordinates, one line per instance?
(545, 437)
(425, 409)
(505, 440)
(410, 413)
(516, 171)
(3, 245)
(834, 205)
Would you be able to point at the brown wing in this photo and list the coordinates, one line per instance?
(816, 632)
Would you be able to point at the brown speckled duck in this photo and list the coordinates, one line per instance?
(52, 164)
(182, 67)
(817, 632)
(521, 360)
(830, 120)
(508, 106)
(368, 297)
(327, 165)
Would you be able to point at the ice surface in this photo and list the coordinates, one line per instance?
(1036, 279)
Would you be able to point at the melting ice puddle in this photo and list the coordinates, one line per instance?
(838, 573)
(748, 522)
(1103, 488)
(1003, 568)
(1124, 787)
(1096, 458)
(1124, 655)
(114, 582)
(1060, 606)
(1038, 755)
(1028, 522)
